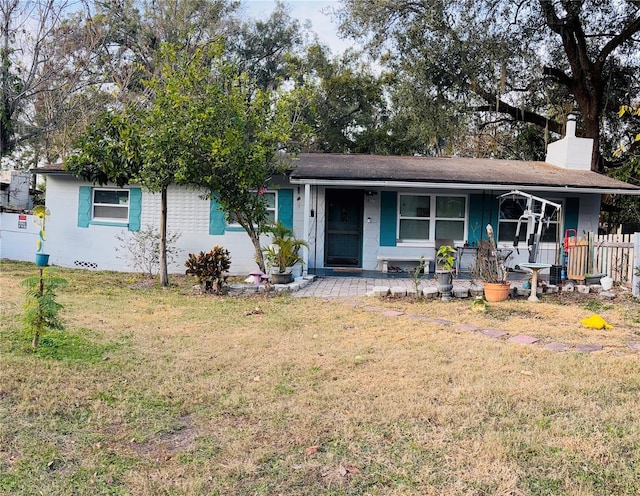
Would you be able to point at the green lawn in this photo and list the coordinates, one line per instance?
(161, 391)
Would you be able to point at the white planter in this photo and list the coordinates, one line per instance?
(296, 270)
(606, 283)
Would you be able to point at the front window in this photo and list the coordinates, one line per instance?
(450, 216)
(271, 201)
(415, 217)
(110, 205)
(511, 209)
(431, 217)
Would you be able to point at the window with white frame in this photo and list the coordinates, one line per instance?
(511, 209)
(414, 220)
(110, 205)
(450, 217)
(271, 201)
(431, 217)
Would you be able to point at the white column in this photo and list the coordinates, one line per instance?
(305, 230)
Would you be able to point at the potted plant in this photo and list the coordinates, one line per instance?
(41, 214)
(283, 253)
(490, 269)
(445, 261)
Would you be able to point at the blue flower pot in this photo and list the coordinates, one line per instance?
(42, 259)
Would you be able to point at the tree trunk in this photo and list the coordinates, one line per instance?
(164, 274)
(254, 236)
(592, 130)
(39, 325)
(255, 239)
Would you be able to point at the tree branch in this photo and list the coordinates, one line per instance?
(559, 75)
(516, 112)
(616, 41)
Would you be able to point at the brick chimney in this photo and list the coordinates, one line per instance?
(571, 152)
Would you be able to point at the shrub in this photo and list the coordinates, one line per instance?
(142, 249)
(41, 308)
(210, 268)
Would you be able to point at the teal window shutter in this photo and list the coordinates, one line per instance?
(84, 206)
(217, 223)
(135, 209)
(571, 213)
(285, 207)
(388, 218)
(483, 210)
(477, 224)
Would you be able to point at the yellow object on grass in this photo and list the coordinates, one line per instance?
(595, 322)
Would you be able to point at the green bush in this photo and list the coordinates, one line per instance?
(41, 308)
(210, 269)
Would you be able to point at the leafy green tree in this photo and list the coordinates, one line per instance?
(231, 144)
(626, 209)
(109, 151)
(529, 61)
(267, 50)
(142, 146)
(204, 127)
(350, 111)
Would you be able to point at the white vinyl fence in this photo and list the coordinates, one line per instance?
(616, 255)
(18, 236)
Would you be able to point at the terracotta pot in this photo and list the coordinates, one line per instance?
(496, 291)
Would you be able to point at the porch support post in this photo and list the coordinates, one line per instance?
(635, 288)
(305, 231)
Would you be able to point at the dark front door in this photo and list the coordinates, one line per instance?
(343, 229)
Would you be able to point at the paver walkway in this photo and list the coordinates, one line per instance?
(343, 287)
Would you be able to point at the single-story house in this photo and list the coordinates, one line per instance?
(355, 211)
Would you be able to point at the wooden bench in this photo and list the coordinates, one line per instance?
(385, 259)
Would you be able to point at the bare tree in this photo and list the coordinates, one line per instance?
(46, 59)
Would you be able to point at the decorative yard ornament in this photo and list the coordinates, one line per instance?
(41, 215)
(595, 322)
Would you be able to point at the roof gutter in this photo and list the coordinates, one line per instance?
(467, 186)
(50, 171)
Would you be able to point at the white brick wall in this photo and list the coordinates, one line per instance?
(95, 246)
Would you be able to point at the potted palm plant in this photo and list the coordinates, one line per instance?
(283, 253)
(444, 270)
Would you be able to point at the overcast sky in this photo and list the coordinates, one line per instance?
(316, 11)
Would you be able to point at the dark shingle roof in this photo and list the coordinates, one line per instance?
(442, 170)
(465, 172)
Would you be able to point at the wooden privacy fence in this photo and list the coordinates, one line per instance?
(610, 254)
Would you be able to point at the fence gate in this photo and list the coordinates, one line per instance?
(611, 254)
